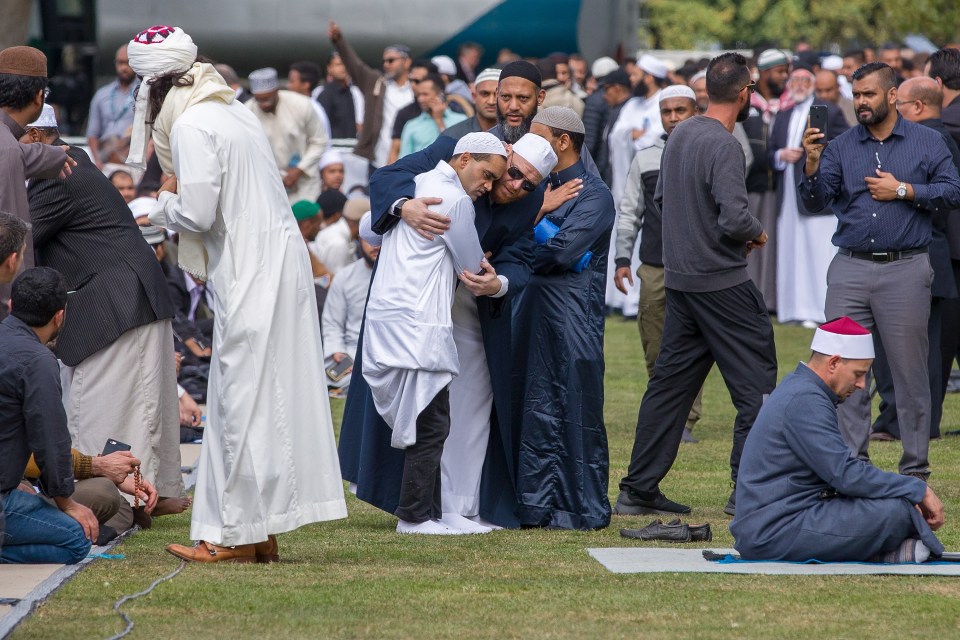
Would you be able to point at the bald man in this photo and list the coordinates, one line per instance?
(919, 100)
(111, 114)
(827, 87)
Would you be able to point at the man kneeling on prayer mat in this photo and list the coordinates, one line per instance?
(409, 353)
(802, 495)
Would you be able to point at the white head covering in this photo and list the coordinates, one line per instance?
(153, 235)
(445, 65)
(480, 142)
(47, 119)
(153, 52)
(329, 157)
(142, 206)
(843, 337)
(487, 75)
(263, 80)
(603, 66)
(832, 63)
(677, 91)
(538, 152)
(367, 233)
(653, 65)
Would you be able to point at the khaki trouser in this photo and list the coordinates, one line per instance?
(653, 303)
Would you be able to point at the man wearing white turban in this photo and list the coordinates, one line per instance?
(268, 463)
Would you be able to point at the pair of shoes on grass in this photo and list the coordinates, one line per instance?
(673, 531)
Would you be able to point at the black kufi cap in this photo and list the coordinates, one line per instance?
(522, 69)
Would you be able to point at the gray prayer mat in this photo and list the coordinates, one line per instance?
(657, 560)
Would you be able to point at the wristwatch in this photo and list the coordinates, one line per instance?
(398, 207)
(902, 191)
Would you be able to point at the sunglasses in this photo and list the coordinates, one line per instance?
(516, 174)
(750, 87)
(390, 60)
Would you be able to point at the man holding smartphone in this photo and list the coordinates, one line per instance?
(882, 179)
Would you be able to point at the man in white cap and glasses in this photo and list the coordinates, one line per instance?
(410, 354)
(268, 463)
(559, 319)
(481, 441)
(802, 496)
(296, 134)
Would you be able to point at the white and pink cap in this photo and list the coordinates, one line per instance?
(843, 337)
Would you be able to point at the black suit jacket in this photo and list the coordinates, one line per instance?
(836, 124)
(83, 228)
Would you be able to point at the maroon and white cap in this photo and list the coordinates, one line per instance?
(843, 337)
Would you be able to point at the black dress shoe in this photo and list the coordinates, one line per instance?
(698, 532)
(674, 531)
(688, 436)
(629, 503)
(882, 436)
(731, 507)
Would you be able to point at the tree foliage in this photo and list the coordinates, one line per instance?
(685, 24)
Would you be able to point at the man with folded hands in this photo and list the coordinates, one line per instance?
(803, 495)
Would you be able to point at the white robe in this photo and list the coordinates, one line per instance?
(334, 246)
(343, 314)
(268, 462)
(297, 139)
(409, 353)
(804, 243)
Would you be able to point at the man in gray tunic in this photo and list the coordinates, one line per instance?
(803, 495)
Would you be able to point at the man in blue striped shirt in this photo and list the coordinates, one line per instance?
(882, 179)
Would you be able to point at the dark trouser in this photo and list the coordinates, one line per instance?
(730, 327)
(887, 421)
(950, 332)
(420, 487)
(891, 299)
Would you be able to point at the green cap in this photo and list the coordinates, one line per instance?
(305, 209)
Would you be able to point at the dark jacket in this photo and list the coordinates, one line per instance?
(84, 229)
(337, 101)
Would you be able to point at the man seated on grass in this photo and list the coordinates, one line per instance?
(33, 421)
(803, 495)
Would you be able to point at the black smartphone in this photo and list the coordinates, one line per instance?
(338, 371)
(818, 119)
(113, 446)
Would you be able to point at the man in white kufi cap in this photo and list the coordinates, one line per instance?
(801, 495)
(410, 357)
(268, 463)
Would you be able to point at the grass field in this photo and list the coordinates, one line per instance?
(356, 578)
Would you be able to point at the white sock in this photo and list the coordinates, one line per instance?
(429, 528)
(458, 522)
(910, 551)
(484, 523)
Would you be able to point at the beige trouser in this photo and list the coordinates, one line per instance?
(128, 391)
(653, 304)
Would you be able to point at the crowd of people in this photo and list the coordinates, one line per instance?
(209, 250)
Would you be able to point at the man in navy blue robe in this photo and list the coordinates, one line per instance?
(803, 495)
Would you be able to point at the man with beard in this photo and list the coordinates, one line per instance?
(714, 312)
(882, 179)
(774, 67)
(803, 241)
(111, 114)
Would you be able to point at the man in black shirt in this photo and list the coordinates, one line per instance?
(32, 420)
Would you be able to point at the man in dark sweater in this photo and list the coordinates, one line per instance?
(714, 312)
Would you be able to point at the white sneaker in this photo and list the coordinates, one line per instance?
(429, 528)
(458, 522)
(484, 523)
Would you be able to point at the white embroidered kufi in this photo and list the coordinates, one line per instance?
(677, 91)
(263, 80)
(653, 65)
(480, 142)
(47, 119)
(154, 52)
(843, 337)
(603, 66)
(487, 75)
(445, 65)
(538, 152)
(329, 157)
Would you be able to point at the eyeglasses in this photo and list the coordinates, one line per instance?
(900, 102)
(526, 185)
(750, 87)
(390, 60)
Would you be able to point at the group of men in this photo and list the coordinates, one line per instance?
(476, 393)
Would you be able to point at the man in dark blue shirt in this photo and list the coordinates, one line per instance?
(32, 420)
(883, 179)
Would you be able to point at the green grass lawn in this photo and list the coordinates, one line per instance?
(357, 578)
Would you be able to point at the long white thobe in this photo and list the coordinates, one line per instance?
(297, 139)
(804, 243)
(409, 353)
(268, 462)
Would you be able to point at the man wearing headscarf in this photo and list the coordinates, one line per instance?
(268, 463)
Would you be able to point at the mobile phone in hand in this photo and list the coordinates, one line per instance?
(113, 446)
(818, 119)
